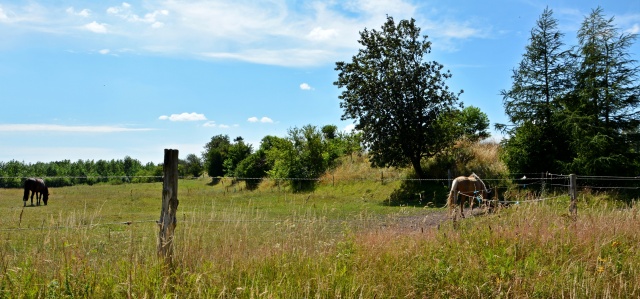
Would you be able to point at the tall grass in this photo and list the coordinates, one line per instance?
(336, 242)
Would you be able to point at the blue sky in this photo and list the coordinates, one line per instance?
(107, 79)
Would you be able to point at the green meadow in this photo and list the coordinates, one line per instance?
(339, 241)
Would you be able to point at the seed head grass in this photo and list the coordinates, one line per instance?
(339, 241)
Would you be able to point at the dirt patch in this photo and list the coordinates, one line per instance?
(430, 219)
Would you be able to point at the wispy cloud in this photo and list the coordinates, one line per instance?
(83, 13)
(184, 117)
(265, 32)
(125, 12)
(213, 124)
(70, 129)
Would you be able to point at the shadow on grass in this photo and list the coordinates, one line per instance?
(419, 194)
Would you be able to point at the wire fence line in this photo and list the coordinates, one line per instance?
(324, 178)
(541, 183)
(544, 180)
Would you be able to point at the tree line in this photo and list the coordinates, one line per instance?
(68, 173)
(304, 154)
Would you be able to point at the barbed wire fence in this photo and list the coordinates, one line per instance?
(528, 188)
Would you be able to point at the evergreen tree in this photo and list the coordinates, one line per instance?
(602, 111)
(533, 102)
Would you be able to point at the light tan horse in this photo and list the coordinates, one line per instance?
(464, 188)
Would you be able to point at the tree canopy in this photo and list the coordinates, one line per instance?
(396, 96)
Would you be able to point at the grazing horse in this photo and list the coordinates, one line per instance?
(37, 188)
(471, 188)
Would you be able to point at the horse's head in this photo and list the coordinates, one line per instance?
(45, 195)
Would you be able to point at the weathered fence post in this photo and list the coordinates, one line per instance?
(168, 218)
(573, 207)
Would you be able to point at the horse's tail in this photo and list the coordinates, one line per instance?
(450, 199)
(27, 188)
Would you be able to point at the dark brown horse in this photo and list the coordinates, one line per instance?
(464, 188)
(37, 188)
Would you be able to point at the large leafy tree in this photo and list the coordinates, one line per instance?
(237, 152)
(215, 152)
(532, 103)
(193, 165)
(395, 95)
(602, 112)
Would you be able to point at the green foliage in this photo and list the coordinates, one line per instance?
(253, 168)
(67, 173)
(215, 152)
(193, 165)
(536, 140)
(396, 96)
(602, 111)
(300, 156)
(474, 124)
(236, 152)
(574, 110)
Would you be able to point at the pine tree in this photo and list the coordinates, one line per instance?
(603, 108)
(533, 102)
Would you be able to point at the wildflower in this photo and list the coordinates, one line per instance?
(600, 269)
(601, 259)
(615, 244)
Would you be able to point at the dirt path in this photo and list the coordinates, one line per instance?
(430, 219)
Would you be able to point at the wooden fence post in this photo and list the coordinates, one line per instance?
(168, 218)
(573, 207)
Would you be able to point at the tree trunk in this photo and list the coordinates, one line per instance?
(417, 167)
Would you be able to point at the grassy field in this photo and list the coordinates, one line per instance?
(339, 241)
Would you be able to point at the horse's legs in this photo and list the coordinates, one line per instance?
(25, 197)
(460, 203)
(32, 194)
(38, 195)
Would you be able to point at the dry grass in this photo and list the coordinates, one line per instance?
(336, 242)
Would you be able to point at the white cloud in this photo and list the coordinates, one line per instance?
(184, 117)
(305, 86)
(264, 32)
(63, 128)
(264, 119)
(3, 16)
(96, 27)
(211, 124)
(635, 29)
(104, 51)
(286, 57)
(83, 13)
(125, 11)
(319, 34)
(349, 128)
